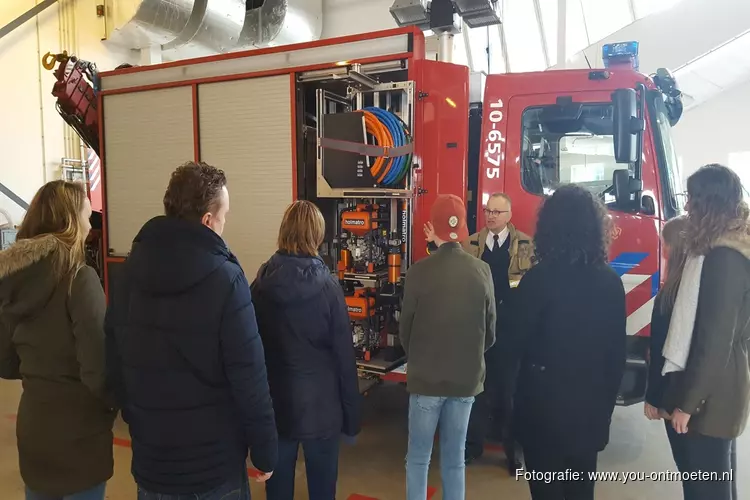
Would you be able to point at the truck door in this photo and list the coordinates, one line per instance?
(553, 150)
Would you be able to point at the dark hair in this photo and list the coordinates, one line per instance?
(573, 227)
(193, 190)
(715, 206)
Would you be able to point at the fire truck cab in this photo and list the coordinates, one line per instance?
(606, 130)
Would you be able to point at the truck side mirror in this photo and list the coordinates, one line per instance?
(624, 185)
(626, 126)
(621, 186)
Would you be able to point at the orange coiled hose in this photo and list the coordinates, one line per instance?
(383, 138)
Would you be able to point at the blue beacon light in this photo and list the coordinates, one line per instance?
(621, 53)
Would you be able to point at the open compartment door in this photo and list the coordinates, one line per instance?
(441, 137)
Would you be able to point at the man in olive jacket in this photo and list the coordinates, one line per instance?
(447, 323)
(509, 253)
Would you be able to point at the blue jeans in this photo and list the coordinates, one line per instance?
(95, 493)
(425, 413)
(236, 489)
(321, 464)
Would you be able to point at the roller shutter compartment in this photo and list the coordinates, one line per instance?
(245, 129)
(147, 135)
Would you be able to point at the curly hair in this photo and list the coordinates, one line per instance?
(193, 190)
(715, 207)
(573, 228)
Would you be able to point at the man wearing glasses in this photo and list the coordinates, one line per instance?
(509, 253)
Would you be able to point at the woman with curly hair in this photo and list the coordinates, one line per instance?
(571, 327)
(706, 349)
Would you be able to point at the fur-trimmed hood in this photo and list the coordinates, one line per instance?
(739, 240)
(27, 281)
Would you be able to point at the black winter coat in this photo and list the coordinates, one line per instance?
(187, 362)
(572, 326)
(312, 369)
(658, 383)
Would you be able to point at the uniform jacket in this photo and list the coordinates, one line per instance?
(521, 250)
(187, 361)
(52, 338)
(312, 367)
(447, 323)
(571, 320)
(715, 386)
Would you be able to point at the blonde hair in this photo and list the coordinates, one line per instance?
(302, 229)
(56, 211)
(674, 236)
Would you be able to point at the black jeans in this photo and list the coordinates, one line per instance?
(321, 465)
(543, 464)
(696, 453)
(491, 415)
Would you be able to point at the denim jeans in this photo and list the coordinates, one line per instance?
(321, 465)
(95, 493)
(425, 414)
(235, 489)
(695, 452)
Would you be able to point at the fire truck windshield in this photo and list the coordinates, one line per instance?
(669, 173)
(564, 151)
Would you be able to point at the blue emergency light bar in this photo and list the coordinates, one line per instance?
(621, 53)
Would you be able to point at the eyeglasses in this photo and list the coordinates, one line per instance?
(495, 213)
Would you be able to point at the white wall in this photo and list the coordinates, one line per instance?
(716, 132)
(31, 132)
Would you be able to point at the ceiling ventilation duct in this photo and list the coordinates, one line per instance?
(193, 28)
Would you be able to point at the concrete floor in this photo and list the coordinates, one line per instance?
(374, 468)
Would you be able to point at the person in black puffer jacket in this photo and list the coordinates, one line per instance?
(312, 370)
(184, 354)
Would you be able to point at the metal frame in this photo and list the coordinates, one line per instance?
(324, 189)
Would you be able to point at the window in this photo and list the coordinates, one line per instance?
(559, 149)
(479, 48)
(523, 38)
(669, 169)
(740, 163)
(549, 22)
(497, 59)
(576, 35)
(604, 18)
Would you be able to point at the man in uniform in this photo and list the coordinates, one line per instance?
(509, 253)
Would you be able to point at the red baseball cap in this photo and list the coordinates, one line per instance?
(449, 218)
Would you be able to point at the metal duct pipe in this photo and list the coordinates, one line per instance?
(192, 28)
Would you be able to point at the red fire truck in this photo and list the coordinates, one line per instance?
(371, 131)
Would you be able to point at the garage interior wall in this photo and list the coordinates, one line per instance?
(32, 134)
(714, 133)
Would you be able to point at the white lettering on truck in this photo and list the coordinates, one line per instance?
(495, 140)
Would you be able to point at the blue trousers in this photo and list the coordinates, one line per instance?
(426, 413)
(694, 453)
(236, 489)
(95, 493)
(321, 464)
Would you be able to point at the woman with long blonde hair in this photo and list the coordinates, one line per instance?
(52, 339)
(312, 371)
(707, 397)
(674, 247)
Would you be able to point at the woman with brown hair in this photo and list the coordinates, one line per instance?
(705, 351)
(571, 321)
(312, 373)
(52, 338)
